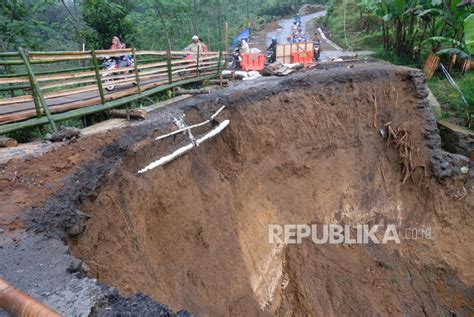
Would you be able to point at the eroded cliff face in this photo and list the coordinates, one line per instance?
(194, 233)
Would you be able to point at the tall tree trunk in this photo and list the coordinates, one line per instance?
(165, 28)
(196, 17)
(398, 37)
(219, 21)
(247, 7)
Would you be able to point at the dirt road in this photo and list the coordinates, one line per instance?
(329, 50)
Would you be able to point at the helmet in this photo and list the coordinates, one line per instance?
(195, 38)
(274, 38)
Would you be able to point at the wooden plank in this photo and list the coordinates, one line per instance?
(79, 104)
(284, 51)
(137, 77)
(431, 64)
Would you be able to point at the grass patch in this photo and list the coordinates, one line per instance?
(450, 99)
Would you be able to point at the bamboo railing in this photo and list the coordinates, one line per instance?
(31, 96)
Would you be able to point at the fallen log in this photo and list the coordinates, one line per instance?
(129, 113)
(191, 92)
(7, 142)
(223, 82)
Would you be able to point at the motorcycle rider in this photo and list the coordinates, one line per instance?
(272, 48)
(195, 45)
(116, 44)
(298, 19)
(122, 61)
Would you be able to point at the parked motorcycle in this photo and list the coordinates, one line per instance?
(111, 63)
(270, 56)
(234, 60)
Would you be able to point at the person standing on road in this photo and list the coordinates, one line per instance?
(244, 47)
(272, 49)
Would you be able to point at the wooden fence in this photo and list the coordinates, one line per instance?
(33, 97)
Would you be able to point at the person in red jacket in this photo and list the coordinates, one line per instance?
(204, 47)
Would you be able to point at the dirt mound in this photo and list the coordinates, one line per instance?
(310, 8)
(303, 150)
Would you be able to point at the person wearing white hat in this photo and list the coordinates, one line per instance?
(195, 45)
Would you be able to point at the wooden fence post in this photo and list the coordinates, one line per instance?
(197, 61)
(168, 64)
(226, 40)
(33, 90)
(98, 77)
(137, 76)
(219, 63)
(37, 94)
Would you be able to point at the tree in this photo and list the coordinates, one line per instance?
(106, 19)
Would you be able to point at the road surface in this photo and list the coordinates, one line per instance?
(329, 50)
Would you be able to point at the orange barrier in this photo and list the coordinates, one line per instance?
(305, 57)
(253, 61)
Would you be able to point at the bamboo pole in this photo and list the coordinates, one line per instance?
(12, 91)
(170, 73)
(208, 38)
(219, 63)
(93, 105)
(197, 61)
(9, 54)
(19, 99)
(18, 303)
(137, 76)
(13, 80)
(17, 87)
(33, 83)
(227, 36)
(38, 74)
(98, 77)
(35, 87)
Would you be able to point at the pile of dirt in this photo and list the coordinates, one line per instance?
(303, 150)
(310, 8)
(26, 183)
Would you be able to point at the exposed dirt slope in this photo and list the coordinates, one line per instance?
(194, 234)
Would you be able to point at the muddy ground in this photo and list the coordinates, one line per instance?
(194, 234)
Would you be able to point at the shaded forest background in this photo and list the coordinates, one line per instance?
(144, 24)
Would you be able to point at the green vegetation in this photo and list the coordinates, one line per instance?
(144, 24)
(403, 32)
(447, 95)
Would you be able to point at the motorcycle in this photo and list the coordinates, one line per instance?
(183, 72)
(233, 63)
(111, 63)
